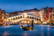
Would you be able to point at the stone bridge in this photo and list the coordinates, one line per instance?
(22, 17)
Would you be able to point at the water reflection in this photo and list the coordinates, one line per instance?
(5, 33)
(42, 33)
(48, 30)
(25, 34)
(37, 30)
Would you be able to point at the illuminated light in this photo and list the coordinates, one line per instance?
(25, 22)
(25, 14)
(28, 20)
(5, 33)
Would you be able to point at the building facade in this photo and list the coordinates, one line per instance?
(46, 15)
(2, 17)
(51, 16)
(26, 13)
(43, 16)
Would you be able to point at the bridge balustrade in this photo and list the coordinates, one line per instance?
(21, 16)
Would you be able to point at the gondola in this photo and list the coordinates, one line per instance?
(26, 27)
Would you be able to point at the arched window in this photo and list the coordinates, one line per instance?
(32, 17)
(20, 16)
(16, 18)
(27, 16)
(13, 18)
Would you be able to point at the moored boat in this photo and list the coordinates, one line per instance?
(52, 24)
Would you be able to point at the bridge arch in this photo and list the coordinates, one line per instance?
(21, 17)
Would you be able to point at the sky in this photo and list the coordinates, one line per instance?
(20, 5)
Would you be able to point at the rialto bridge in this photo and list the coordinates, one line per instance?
(24, 18)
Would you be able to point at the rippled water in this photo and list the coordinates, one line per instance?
(38, 30)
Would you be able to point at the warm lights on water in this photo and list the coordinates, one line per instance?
(38, 30)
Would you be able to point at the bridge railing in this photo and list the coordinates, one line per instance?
(18, 17)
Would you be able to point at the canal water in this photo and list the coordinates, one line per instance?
(38, 30)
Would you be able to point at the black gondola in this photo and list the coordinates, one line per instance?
(27, 26)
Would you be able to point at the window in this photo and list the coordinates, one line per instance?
(53, 10)
(1, 20)
(37, 19)
(0, 17)
(53, 14)
(0, 14)
(50, 11)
